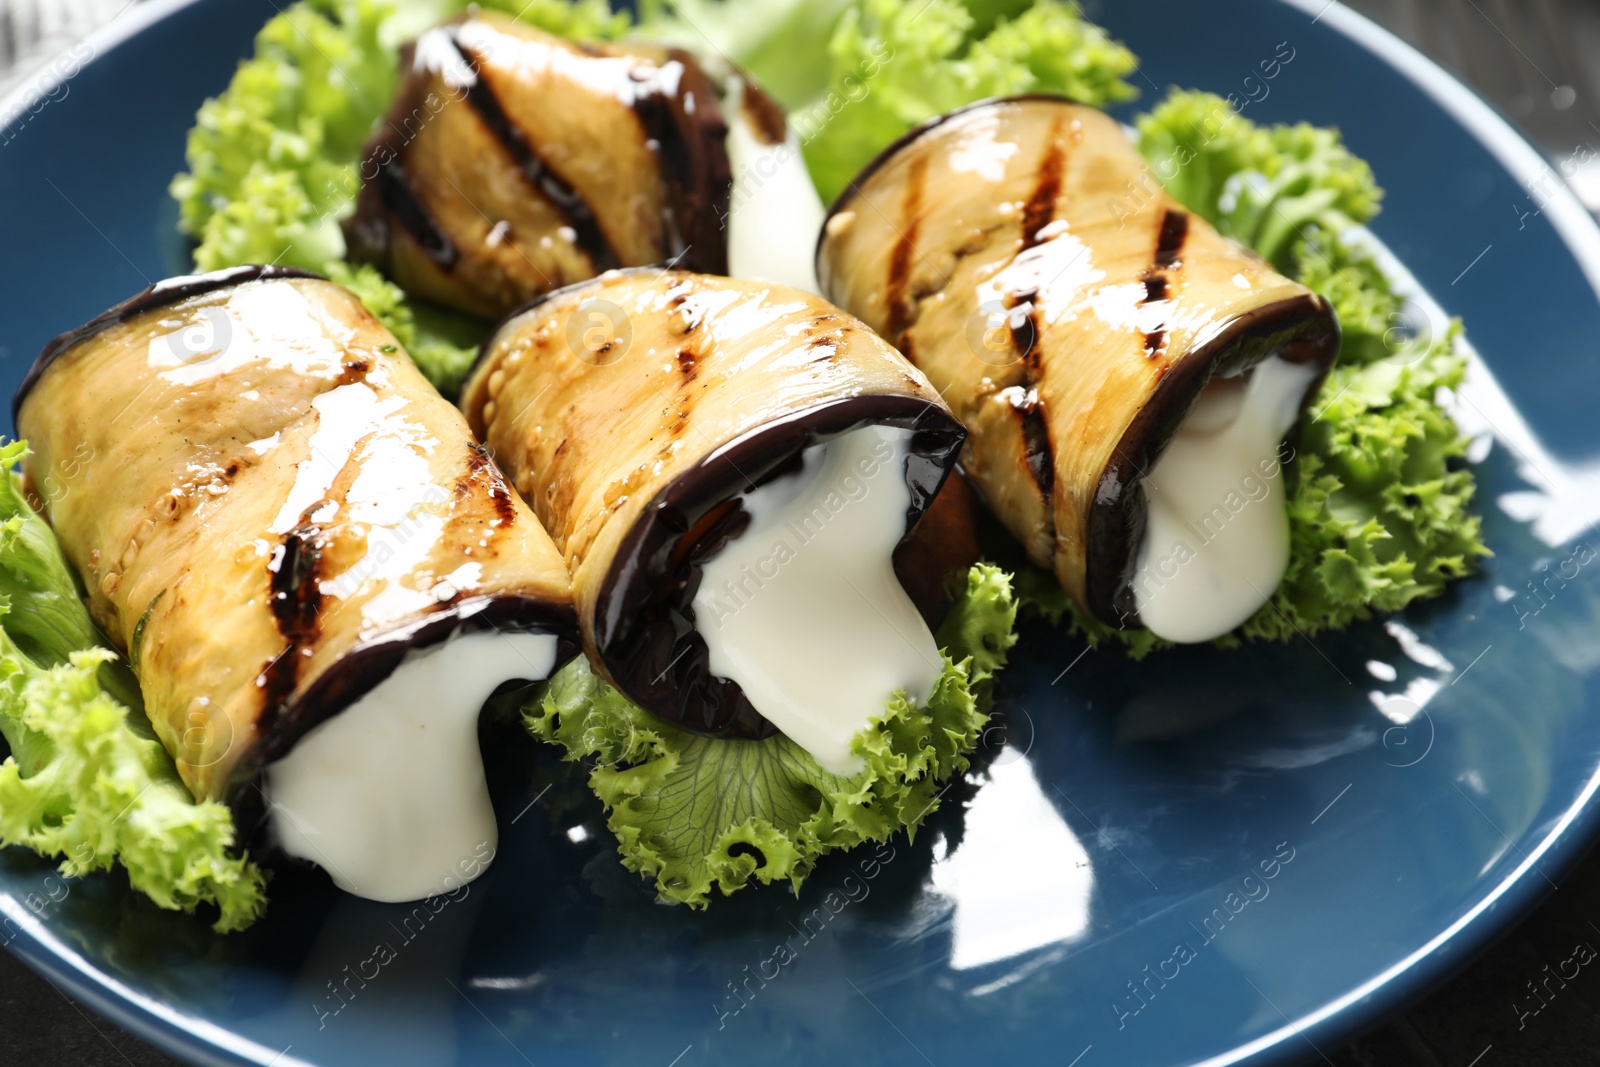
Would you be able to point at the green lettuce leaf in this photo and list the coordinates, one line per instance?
(783, 43)
(86, 781)
(694, 813)
(1380, 510)
(47, 619)
(892, 64)
(1380, 502)
(1380, 498)
(896, 63)
(1262, 186)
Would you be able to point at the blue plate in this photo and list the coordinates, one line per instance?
(1209, 857)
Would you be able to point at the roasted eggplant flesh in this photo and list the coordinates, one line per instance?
(633, 412)
(513, 163)
(1021, 253)
(270, 507)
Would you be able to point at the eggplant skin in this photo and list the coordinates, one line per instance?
(632, 410)
(513, 163)
(933, 560)
(269, 506)
(1020, 252)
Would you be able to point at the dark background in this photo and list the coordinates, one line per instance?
(1539, 61)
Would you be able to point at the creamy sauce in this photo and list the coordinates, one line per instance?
(803, 610)
(774, 212)
(389, 796)
(1216, 541)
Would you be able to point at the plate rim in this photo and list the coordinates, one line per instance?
(1571, 835)
(1568, 839)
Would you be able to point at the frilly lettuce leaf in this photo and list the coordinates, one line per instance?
(696, 814)
(86, 781)
(1380, 498)
(1380, 510)
(47, 620)
(781, 42)
(896, 63)
(1261, 185)
(272, 161)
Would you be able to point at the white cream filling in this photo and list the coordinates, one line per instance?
(1216, 539)
(389, 795)
(774, 212)
(803, 609)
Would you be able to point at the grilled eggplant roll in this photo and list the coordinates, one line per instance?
(1128, 375)
(315, 570)
(513, 163)
(731, 470)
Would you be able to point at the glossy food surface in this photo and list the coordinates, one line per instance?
(1120, 804)
(1216, 535)
(1022, 254)
(347, 799)
(811, 581)
(632, 410)
(254, 482)
(513, 163)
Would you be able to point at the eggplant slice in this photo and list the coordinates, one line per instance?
(1073, 314)
(512, 163)
(660, 423)
(280, 521)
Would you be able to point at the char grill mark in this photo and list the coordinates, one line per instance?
(826, 348)
(1040, 209)
(688, 371)
(1024, 330)
(1170, 238)
(480, 468)
(1174, 232)
(394, 189)
(905, 248)
(579, 215)
(296, 599)
(694, 166)
(1038, 212)
(1038, 451)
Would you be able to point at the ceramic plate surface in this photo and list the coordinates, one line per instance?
(1207, 857)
